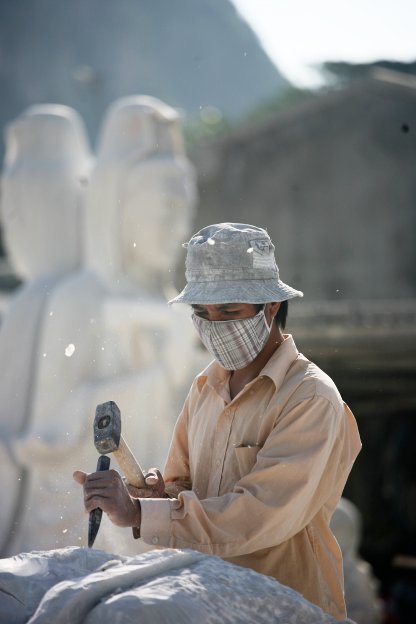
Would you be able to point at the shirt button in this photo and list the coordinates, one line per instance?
(218, 462)
(155, 540)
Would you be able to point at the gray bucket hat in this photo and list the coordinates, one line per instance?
(232, 263)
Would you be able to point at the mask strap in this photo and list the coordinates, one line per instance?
(269, 327)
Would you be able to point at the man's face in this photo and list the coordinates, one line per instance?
(225, 311)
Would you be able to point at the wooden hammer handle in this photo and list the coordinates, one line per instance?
(129, 465)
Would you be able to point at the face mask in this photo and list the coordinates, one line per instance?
(235, 343)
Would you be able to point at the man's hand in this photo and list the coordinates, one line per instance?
(155, 486)
(108, 491)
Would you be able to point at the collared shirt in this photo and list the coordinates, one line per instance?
(258, 477)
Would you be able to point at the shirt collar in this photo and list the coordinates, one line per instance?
(281, 360)
(217, 377)
(276, 368)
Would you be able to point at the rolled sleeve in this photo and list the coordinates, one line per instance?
(155, 528)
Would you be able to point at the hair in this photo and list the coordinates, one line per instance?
(281, 315)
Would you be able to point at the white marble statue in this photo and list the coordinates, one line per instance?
(104, 331)
(361, 591)
(47, 161)
(139, 204)
(140, 160)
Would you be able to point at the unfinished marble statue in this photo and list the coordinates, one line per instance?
(102, 332)
(80, 586)
(46, 163)
(139, 203)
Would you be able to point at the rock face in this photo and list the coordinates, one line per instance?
(80, 586)
(87, 54)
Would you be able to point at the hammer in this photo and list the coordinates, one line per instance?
(108, 439)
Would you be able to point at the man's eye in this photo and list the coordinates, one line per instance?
(200, 314)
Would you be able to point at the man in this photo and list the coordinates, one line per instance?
(264, 444)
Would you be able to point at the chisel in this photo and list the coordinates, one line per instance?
(96, 514)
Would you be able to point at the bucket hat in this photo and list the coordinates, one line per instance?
(232, 263)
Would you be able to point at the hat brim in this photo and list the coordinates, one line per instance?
(236, 291)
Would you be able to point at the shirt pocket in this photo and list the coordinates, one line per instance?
(246, 458)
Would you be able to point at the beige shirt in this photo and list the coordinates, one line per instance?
(257, 478)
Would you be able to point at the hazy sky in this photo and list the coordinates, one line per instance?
(300, 33)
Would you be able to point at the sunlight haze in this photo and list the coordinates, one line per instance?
(298, 35)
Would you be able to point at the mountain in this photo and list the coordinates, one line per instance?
(87, 53)
(344, 71)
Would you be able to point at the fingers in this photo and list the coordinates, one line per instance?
(96, 493)
(99, 487)
(156, 483)
(107, 490)
(155, 486)
(143, 493)
(151, 479)
(103, 480)
(79, 476)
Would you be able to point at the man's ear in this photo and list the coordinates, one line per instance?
(274, 308)
(271, 310)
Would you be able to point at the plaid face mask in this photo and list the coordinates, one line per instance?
(234, 343)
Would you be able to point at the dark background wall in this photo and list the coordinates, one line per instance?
(334, 181)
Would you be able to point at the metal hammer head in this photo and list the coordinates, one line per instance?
(107, 427)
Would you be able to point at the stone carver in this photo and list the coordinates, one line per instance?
(264, 444)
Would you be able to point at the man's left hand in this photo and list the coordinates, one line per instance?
(108, 491)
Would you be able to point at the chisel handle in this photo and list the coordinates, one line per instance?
(129, 465)
(96, 514)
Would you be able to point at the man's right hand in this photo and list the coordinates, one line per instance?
(155, 486)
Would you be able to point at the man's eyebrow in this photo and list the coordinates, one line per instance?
(227, 306)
